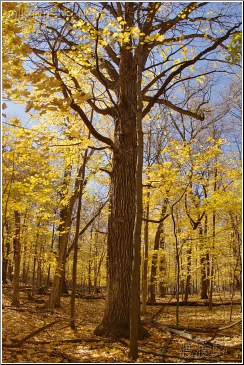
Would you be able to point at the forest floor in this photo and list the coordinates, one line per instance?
(57, 343)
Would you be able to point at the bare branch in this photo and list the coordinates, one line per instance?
(184, 66)
(175, 107)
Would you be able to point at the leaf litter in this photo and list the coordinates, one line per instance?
(59, 344)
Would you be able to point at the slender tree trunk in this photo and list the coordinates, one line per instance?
(145, 262)
(146, 234)
(39, 273)
(188, 277)
(24, 268)
(34, 271)
(162, 268)
(89, 271)
(212, 265)
(204, 278)
(204, 282)
(237, 244)
(51, 247)
(4, 261)
(152, 286)
(10, 270)
(25, 247)
(177, 257)
(64, 229)
(35, 259)
(135, 276)
(5, 251)
(98, 271)
(17, 256)
(65, 218)
(158, 241)
(76, 238)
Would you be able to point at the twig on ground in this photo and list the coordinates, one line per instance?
(224, 328)
(166, 344)
(70, 340)
(20, 342)
(193, 338)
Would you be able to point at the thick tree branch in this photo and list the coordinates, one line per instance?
(89, 125)
(194, 223)
(156, 221)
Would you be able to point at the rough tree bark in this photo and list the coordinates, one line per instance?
(116, 320)
(135, 322)
(120, 230)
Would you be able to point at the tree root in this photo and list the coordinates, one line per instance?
(119, 331)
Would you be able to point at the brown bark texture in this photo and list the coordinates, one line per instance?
(116, 320)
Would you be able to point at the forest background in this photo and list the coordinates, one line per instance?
(121, 171)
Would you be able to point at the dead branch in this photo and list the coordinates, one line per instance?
(166, 344)
(183, 334)
(161, 309)
(194, 304)
(193, 338)
(230, 325)
(43, 328)
(65, 356)
(224, 328)
(68, 340)
(213, 358)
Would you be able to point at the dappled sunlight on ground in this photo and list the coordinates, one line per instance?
(60, 344)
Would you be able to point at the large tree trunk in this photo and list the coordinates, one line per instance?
(135, 277)
(116, 320)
